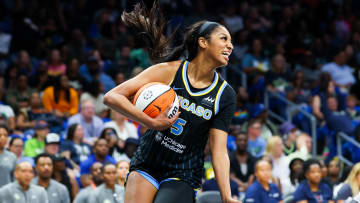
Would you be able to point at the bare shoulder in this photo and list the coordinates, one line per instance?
(162, 72)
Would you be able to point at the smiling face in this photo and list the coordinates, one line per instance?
(219, 46)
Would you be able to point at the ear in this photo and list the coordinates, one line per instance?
(203, 43)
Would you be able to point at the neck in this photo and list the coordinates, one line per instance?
(24, 187)
(1, 150)
(201, 69)
(110, 186)
(313, 186)
(265, 184)
(100, 158)
(288, 143)
(121, 182)
(44, 182)
(40, 138)
(276, 157)
(87, 120)
(241, 152)
(77, 140)
(333, 178)
(252, 137)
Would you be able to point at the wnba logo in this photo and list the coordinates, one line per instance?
(148, 94)
(159, 136)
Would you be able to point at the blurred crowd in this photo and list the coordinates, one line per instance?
(58, 58)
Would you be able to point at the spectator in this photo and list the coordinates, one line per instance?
(124, 129)
(351, 186)
(23, 63)
(56, 67)
(277, 79)
(27, 117)
(131, 145)
(311, 189)
(109, 191)
(18, 97)
(36, 145)
(256, 145)
(16, 146)
(7, 116)
(94, 92)
(100, 155)
(341, 73)
(76, 80)
(233, 21)
(289, 133)
(274, 149)
(242, 163)
(352, 109)
(96, 179)
(7, 159)
(116, 146)
(52, 142)
(40, 79)
(74, 147)
(262, 190)
(303, 147)
(22, 189)
(310, 70)
(211, 185)
(334, 172)
(255, 60)
(65, 176)
(122, 169)
(56, 192)
(290, 184)
(91, 124)
(296, 91)
(61, 99)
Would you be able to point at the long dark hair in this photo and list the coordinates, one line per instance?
(71, 131)
(58, 88)
(150, 26)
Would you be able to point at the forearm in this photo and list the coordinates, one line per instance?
(221, 164)
(122, 105)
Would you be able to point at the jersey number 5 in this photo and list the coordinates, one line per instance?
(178, 127)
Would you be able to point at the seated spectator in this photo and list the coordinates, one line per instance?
(18, 97)
(23, 63)
(256, 145)
(124, 129)
(241, 114)
(311, 71)
(290, 184)
(274, 149)
(255, 60)
(56, 192)
(7, 159)
(351, 186)
(303, 147)
(122, 169)
(341, 73)
(36, 145)
(131, 145)
(242, 163)
(65, 176)
(52, 142)
(109, 191)
(289, 133)
(7, 116)
(27, 117)
(352, 109)
(16, 146)
(262, 190)
(94, 92)
(21, 189)
(296, 91)
(334, 172)
(91, 124)
(116, 146)
(277, 79)
(349, 150)
(40, 79)
(56, 67)
(76, 80)
(100, 155)
(311, 189)
(61, 99)
(211, 185)
(74, 147)
(96, 179)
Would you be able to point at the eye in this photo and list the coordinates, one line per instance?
(224, 38)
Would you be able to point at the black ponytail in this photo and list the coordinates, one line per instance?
(150, 26)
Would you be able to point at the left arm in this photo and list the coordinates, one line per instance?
(221, 163)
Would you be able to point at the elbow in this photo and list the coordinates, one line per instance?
(107, 98)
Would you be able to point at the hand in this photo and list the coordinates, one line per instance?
(65, 154)
(162, 122)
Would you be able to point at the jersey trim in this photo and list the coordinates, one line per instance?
(186, 83)
(218, 96)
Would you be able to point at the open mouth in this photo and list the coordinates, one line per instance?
(226, 55)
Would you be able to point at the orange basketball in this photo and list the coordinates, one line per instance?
(153, 98)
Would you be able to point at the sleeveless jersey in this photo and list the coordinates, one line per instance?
(178, 152)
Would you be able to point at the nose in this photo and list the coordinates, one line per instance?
(230, 46)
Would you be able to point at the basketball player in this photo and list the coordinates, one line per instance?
(167, 166)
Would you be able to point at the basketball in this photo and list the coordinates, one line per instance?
(154, 98)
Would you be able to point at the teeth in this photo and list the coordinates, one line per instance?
(226, 53)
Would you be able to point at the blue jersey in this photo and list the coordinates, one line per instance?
(256, 193)
(323, 195)
(178, 152)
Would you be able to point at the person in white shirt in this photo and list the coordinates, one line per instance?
(124, 129)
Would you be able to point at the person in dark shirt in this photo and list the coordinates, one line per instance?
(241, 162)
(311, 189)
(262, 190)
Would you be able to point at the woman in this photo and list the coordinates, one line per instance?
(74, 147)
(61, 99)
(116, 145)
(274, 149)
(311, 189)
(56, 66)
(208, 45)
(122, 168)
(123, 128)
(351, 185)
(292, 182)
(94, 92)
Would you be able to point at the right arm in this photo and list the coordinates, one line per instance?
(119, 97)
